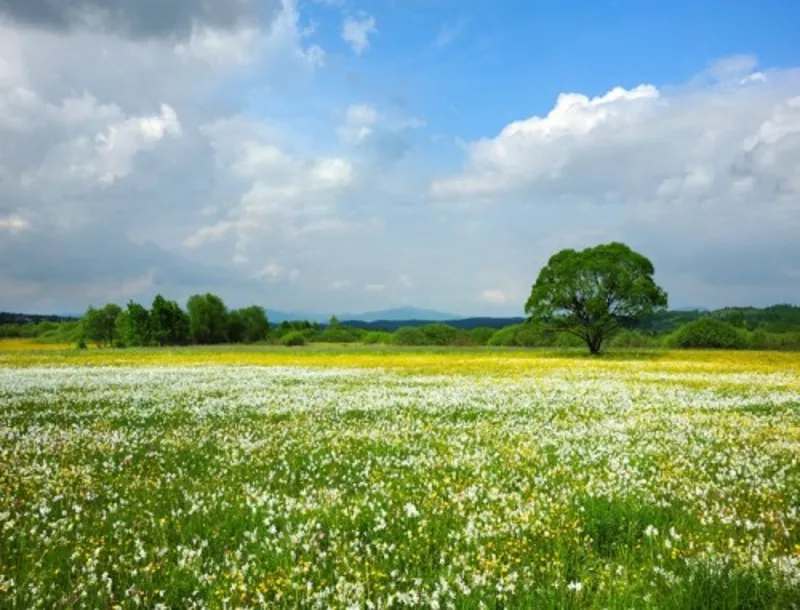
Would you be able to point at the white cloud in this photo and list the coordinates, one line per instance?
(375, 287)
(13, 224)
(356, 32)
(109, 155)
(340, 284)
(493, 296)
(359, 123)
(702, 178)
(272, 271)
(220, 47)
(539, 148)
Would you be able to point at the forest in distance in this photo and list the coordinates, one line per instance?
(774, 327)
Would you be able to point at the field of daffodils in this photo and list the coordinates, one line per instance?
(389, 479)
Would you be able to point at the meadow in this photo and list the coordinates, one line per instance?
(390, 478)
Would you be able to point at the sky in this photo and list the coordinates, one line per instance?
(352, 155)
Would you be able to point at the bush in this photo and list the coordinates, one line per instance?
(409, 335)
(761, 339)
(339, 334)
(293, 339)
(439, 334)
(633, 339)
(377, 337)
(525, 335)
(709, 333)
(480, 335)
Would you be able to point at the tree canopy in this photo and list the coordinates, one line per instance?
(592, 293)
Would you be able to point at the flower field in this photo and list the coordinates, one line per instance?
(387, 479)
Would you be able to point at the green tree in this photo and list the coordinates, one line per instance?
(248, 325)
(99, 325)
(709, 333)
(592, 293)
(208, 319)
(133, 326)
(439, 334)
(169, 324)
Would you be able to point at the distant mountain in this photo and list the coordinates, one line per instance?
(463, 324)
(276, 317)
(389, 315)
(399, 313)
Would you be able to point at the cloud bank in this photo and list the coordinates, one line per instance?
(134, 160)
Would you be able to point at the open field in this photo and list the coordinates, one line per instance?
(352, 478)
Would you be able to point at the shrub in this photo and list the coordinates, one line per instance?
(480, 335)
(293, 339)
(377, 337)
(439, 334)
(634, 339)
(504, 337)
(409, 335)
(339, 334)
(709, 333)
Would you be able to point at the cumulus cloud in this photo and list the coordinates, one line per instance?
(356, 32)
(104, 170)
(684, 174)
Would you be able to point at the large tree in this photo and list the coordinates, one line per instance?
(99, 325)
(247, 325)
(169, 324)
(592, 293)
(208, 319)
(133, 326)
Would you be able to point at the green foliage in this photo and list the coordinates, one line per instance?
(100, 325)
(480, 335)
(169, 324)
(248, 325)
(633, 339)
(438, 334)
(336, 333)
(377, 337)
(763, 340)
(593, 293)
(133, 326)
(709, 333)
(528, 334)
(293, 339)
(409, 335)
(208, 319)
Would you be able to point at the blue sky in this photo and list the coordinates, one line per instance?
(337, 155)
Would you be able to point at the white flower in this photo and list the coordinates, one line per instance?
(651, 531)
(575, 586)
(411, 511)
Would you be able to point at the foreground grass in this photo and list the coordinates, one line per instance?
(334, 477)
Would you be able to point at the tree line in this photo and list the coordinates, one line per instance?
(206, 321)
(602, 295)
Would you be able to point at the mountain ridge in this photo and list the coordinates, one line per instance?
(382, 315)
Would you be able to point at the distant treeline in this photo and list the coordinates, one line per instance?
(206, 320)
